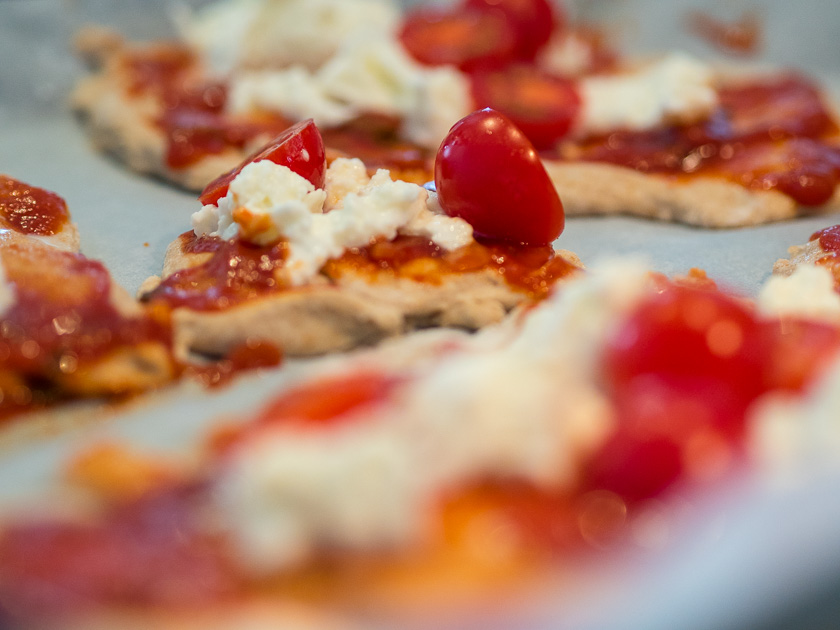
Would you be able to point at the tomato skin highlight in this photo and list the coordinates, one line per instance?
(300, 148)
(533, 21)
(462, 37)
(543, 106)
(489, 174)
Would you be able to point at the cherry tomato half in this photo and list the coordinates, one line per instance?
(461, 37)
(543, 106)
(300, 147)
(533, 21)
(489, 174)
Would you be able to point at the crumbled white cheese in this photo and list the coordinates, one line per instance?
(294, 92)
(566, 54)
(374, 75)
(793, 438)
(443, 98)
(808, 293)
(345, 487)
(677, 88)
(266, 202)
(7, 291)
(365, 75)
(280, 33)
(528, 410)
(344, 177)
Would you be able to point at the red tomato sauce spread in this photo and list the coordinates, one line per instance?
(767, 135)
(148, 551)
(238, 271)
(31, 210)
(62, 321)
(530, 269)
(192, 119)
(375, 139)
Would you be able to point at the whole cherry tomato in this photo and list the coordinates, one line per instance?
(300, 147)
(533, 21)
(543, 106)
(489, 174)
(461, 37)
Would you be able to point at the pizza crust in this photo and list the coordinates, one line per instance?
(124, 128)
(123, 125)
(123, 370)
(589, 188)
(339, 313)
(807, 254)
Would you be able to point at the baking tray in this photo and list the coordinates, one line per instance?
(760, 557)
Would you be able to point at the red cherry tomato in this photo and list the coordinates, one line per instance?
(488, 173)
(464, 38)
(668, 430)
(300, 147)
(533, 21)
(799, 351)
(691, 334)
(829, 238)
(543, 106)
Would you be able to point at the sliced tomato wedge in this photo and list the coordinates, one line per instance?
(490, 175)
(300, 147)
(543, 106)
(462, 37)
(533, 22)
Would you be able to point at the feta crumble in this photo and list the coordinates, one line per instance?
(279, 33)
(675, 89)
(266, 202)
(364, 75)
(808, 292)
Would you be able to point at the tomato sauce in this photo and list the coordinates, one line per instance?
(238, 271)
(150, 551)
(770, 135)
(251, 355)
(375, 139)
(31, 210)
(193, 119)
(530, 269)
